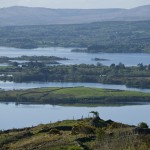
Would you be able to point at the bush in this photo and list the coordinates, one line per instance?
(84, 129)
(143, 125)
(74, 148)
(54, 131)
(115, 125)
(100, 134)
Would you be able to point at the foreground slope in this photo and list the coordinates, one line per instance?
(76, 135)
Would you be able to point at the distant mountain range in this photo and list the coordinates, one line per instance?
(43, 16)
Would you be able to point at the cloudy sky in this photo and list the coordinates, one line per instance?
(75, 3)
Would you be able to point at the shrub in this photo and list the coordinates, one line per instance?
(143, 125)
(54, 131)
(74, 148)
(116, 125)
(100, 133)
(84, 129)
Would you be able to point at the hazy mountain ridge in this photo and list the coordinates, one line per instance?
(43, 16)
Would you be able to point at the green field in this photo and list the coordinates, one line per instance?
(77, 95)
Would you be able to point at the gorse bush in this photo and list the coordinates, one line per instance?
(143, 125)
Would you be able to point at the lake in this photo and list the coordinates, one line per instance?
(18, 116)
(79, 58)
(16, 86)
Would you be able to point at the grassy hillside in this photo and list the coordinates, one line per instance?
(75, 135)
(78, 95)
(96, 37)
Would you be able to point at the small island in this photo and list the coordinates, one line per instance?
(100, 59)
(75, 96)
(31, 60)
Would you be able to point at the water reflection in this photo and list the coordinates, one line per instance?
(22, 115)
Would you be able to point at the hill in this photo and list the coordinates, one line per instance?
(79, 134)
(44, 16)
(118, 36)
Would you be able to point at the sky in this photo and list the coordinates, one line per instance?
(85, 4)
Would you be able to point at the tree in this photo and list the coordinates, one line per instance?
(143, 125)
(95, 113)
(112, 66)
(120, 66)
(141, 66)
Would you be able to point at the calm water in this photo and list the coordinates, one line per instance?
(18, 116)
(15, 86)
(79, 58)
